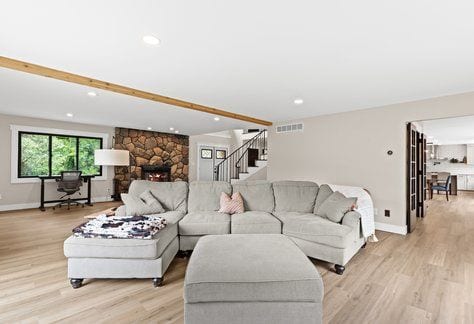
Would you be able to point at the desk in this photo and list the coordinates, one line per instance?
(86, 179)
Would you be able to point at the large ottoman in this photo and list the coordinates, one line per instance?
(249, 278)
(121, 258)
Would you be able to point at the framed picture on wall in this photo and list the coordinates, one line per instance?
(206, 154)
(221, 154)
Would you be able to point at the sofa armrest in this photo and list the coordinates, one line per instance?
(121, 211)
(351, 218)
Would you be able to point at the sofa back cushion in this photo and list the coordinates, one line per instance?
(205, 195)
(323, 193)
(171, 195)
(295, 196)
(257, 195)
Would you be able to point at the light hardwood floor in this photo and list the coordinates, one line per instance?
(424, 277)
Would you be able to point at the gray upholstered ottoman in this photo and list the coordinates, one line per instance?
(248, 278)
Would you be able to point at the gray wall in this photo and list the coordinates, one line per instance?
(351, 149)
(27, 195)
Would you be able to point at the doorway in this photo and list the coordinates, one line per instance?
(209, 156)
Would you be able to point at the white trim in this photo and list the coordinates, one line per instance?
(198, 155)
(391, 228)
(14, 148)
(36, 205)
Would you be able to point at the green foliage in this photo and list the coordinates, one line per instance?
(87, 146)
(63, 154)
(35, 154)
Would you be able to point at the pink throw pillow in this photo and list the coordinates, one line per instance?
(231, 205)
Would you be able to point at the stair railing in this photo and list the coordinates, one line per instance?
(237, 162)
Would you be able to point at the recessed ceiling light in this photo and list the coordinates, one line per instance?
(298, 101)
(176, 131)
(149, 128)
(217, 118)
(171, 128)
(151, 40)
(92, 94)
(70, 115)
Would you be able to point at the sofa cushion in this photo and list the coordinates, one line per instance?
(255, 222)
(145, 204)
(335, 206)
(250, 268)
(295, 196)
(171, 195)
(205, 222)
(78, 247)
(287, 216)
(205, 195)
(316, 229)
(323, 193)
(257, 195)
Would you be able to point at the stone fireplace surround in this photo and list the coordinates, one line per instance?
(151, 148)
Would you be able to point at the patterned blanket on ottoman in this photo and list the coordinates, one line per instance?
(121, 227)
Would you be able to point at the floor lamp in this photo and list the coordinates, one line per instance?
(112, 157)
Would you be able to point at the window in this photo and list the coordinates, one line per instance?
(48, 154)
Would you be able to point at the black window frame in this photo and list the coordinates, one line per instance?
(50, 152)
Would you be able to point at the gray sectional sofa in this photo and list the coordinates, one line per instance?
(282, 207)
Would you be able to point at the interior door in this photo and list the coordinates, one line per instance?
(412, 174)
(209, 157)
(421, 175)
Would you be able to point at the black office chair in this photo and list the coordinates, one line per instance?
(442, 187)
(69, 183)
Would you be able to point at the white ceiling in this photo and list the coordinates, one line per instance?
(249, 57)
(459, 130)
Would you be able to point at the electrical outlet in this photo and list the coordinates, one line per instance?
(376, 211)
(387, 212)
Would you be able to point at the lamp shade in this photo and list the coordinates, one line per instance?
(112, 157)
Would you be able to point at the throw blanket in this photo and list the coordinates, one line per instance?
(365, 207)
(121, 227)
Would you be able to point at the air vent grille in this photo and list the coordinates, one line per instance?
(289, 128)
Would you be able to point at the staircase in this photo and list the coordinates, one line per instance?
(244, 162)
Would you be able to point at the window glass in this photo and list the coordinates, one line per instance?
(34, 155)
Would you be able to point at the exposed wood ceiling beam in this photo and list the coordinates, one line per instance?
(79, 79)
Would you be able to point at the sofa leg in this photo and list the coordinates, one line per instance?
(363, 246)
(339, 269)
(76, 283)
(157, 282)
(181, 254)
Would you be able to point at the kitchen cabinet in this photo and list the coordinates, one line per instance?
(462, 182)
(470, 154)
(470, 182)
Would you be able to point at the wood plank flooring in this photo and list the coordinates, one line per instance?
(424, 277)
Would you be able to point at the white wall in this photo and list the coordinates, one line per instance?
(458, 151)
(351, 148)
(27, 195)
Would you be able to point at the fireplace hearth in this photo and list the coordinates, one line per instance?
(156, 173)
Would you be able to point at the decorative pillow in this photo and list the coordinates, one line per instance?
(324, 192)
(336, 206)
(145, 204)
(231, 205)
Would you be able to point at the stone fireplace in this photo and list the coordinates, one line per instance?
(153, 156)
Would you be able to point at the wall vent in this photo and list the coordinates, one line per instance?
(290, 128)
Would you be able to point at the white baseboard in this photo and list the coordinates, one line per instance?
(36, 205)
(391, 228)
